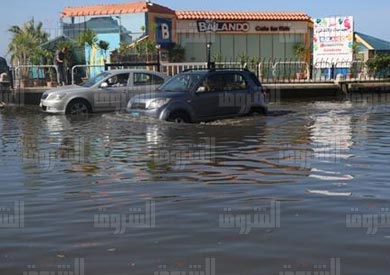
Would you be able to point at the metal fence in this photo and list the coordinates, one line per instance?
(175, 68)
(292, 70)
(24, 76)
(267, 70)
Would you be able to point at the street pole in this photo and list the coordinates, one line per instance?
(158, 48)
(208, 46)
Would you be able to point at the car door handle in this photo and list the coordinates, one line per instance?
(189, 101)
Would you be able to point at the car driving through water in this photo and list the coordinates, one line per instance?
(202, 95)
(107, 91)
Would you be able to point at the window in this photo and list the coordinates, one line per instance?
(143, 79)
(234, 82)
(224, 82)
(95, 80)
(213, 83)
(181, 82)
(119, 80)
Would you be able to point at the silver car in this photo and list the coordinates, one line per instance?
(107, 91)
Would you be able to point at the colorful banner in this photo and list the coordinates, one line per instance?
(333, 41)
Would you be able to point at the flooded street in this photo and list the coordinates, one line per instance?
(303, 189)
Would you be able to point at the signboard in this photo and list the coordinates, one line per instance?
(332, 41)
(164, 32)
(222, 26)
(241, 27)
(229, 26)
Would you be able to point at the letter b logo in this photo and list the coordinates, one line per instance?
(165, 31)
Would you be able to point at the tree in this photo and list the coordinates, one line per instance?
(300, 51)
(104, 46)
(145, 47)
(25, 42)
(379, 66)
(176, 54)
(88, 40)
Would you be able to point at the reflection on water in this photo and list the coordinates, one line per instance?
(65, 170)
(331, 141)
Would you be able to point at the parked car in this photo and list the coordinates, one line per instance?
(202, 95)
(107, 91)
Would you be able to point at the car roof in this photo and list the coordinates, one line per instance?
(116, 71)
(197, 71)
(204, 71)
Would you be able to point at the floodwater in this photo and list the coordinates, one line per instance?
(303, 189)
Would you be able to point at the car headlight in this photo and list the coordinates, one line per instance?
(44, 95)
(156, 103)
(56, 96)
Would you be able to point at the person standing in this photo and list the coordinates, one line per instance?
(59, 61)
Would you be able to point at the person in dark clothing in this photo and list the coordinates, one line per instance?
(59, 61)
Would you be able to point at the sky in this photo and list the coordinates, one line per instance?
(371, 17)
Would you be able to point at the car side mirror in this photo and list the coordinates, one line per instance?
(104, 85)
(201, 89)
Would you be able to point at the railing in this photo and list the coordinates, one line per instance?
(38, 74)
(175, 68)
(150, 65)
(267, 70)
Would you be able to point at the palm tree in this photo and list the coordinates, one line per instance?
(26, 41)
(87, 39)
(25, 44)
(104, 46)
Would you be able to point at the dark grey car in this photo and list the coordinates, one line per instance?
(206, 95)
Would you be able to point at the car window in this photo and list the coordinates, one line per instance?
(119, 80)
(96, 79)
(213, 83)
(144, 79)
(182, 82)
(224, 82)
(234, 82)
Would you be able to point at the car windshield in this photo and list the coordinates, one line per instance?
(95, 79)
(181, 83)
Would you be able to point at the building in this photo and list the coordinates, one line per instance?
(261, 35)
(369, 46)
(231, 35)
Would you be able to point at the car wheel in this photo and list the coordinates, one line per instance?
(78, 107)
(264, 111)
(179, 117)
(259, 110)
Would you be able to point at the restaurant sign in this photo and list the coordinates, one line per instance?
(240, 27)
(222, 26)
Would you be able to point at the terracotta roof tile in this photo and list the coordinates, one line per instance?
(109, 9)
(273, 16)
